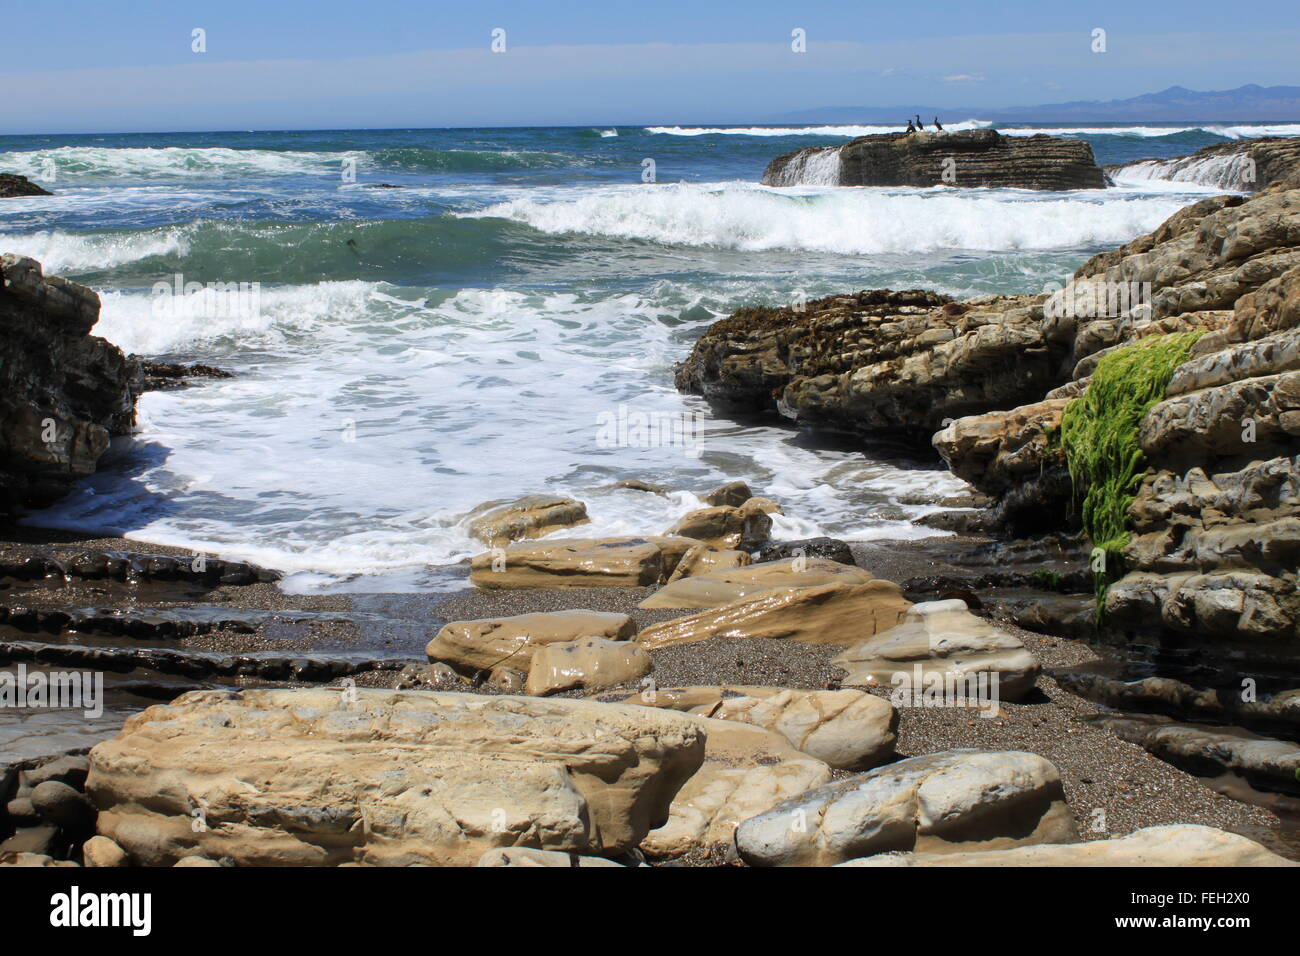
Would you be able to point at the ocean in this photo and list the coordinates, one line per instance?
(479, 331)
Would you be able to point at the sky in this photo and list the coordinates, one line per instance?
(91, 66)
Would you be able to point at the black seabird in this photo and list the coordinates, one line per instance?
(910, 127)
(936, 124)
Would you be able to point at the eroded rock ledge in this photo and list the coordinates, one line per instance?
(1216, 521)
(980, 157)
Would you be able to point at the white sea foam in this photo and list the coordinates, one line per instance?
(1233, 171)
(812, 167)
(433, 405)
(60, 251)
(171, 161)
(848, 221)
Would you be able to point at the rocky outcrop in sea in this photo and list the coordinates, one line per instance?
(967, 158)
(12, 186)
(1245, 165)
(64, 393)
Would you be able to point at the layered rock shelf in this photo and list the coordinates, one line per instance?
(64, 393)
(968, 158)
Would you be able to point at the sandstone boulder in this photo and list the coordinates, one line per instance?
(746, 771)
(826, 614)
(746, 527)
(497, 524)
(1179, 845)
(581, 563)
(845, 729)
(944, 639)
(939, 803)
(702, 559)
(733, 494)
(590, 663)
(319, 777)
(471, 646)
(727, 586)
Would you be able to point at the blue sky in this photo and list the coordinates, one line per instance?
(96, 66)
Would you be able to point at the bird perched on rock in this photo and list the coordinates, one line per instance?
(936, 125)
(911, 128)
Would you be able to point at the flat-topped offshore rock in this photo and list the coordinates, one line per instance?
(726, 586)
(827, 614)
(1181, 844)
(939, 803)
(941, 638)
(966, 158)
(499, 523)
(581, 563)
(471, 646)
(317, 777)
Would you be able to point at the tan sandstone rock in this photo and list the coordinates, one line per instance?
(727, 585)
(470, 646)
(581, 563)
(103, 852)
(746, 771)
(702, 559)
(591, 663)
(497, 523)
(827, 614)
(1182, 844)
(747, 526)
(939, 803)
(846, 729)
(941, 638)
(318, 777)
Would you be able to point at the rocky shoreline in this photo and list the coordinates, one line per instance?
(702, 694)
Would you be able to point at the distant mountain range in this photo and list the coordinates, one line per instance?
(1250, 103)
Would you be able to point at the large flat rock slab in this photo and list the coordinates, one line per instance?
(845, 729)
(581, 563)
(940, 803)
(747, 770)
(944, 643)
(829, 614)
(714, 588)
(1182, 844)
(481, 645)
(318, 777)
